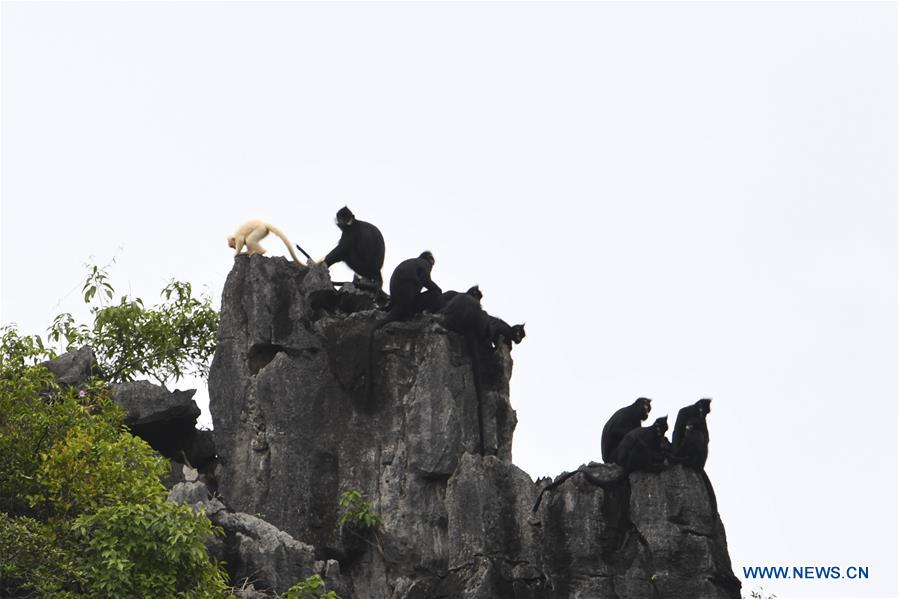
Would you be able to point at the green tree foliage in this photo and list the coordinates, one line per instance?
(82, 511)
(165, 342)
(359, 520)
(150, 549)
(357, 511)
(311, 588)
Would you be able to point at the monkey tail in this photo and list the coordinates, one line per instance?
(370, 368)
(476, 371)
(588, 476)
(561, 479)
(711, 491)
(287, 243)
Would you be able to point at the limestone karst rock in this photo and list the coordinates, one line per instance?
(73, 368)
(165, 419)
(294, 428)
(253, 549)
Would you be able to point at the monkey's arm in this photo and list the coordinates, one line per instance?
(337, 254)
(426, 282)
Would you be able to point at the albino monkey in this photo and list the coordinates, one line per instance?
(251, 233)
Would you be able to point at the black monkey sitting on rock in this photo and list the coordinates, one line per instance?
(474, 291)
(693, 447)
(361, 247)
(621, 423)
(463, 313)
(498, 330)
(431, 301)
(406, 283)
(698, 411)
(641, 450)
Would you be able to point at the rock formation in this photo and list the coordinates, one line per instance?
(294, 428)
(73, 368)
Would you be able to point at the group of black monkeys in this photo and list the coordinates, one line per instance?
(361, 248)
(624, 441)
(646, 449)
(636, 448)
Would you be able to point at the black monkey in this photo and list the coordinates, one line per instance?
(406, 283)
(361, 246)
(698, 411)
(693, 447)
(434, 302)
(692, 450)
(473, 291)
(641, 450)
(621, 423)
(463, 314)
(499, 330)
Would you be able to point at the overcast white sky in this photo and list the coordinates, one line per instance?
(681, 200)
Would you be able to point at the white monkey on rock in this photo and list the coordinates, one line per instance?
(251, 233)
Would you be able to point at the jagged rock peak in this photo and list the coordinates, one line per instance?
(295, 428)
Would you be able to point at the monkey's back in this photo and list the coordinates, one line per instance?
(616, 428)
(463, 314)
(635, 452)
(407, 275)
(366, 257)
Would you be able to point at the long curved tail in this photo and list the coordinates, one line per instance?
(593, 480)
(476, 371)
(711, 491)
(370, 367)
(287, 243)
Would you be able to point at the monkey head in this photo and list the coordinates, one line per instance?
(427, 257)
(231, 242)
(645, 403)
(475, 292)
(345, 218)
(661, 425)
(704, 405)
(518, 333)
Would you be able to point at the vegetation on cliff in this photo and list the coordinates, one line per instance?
(82, 510)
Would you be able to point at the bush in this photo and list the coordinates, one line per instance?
(357, 511)
(149, 549)
(165, 342)
(82, 510)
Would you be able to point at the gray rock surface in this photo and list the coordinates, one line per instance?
(146, 403)
(73, 368)
(260, 557)
(294, 429)
(167, 421)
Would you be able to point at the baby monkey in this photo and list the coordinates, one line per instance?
(251, 233)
